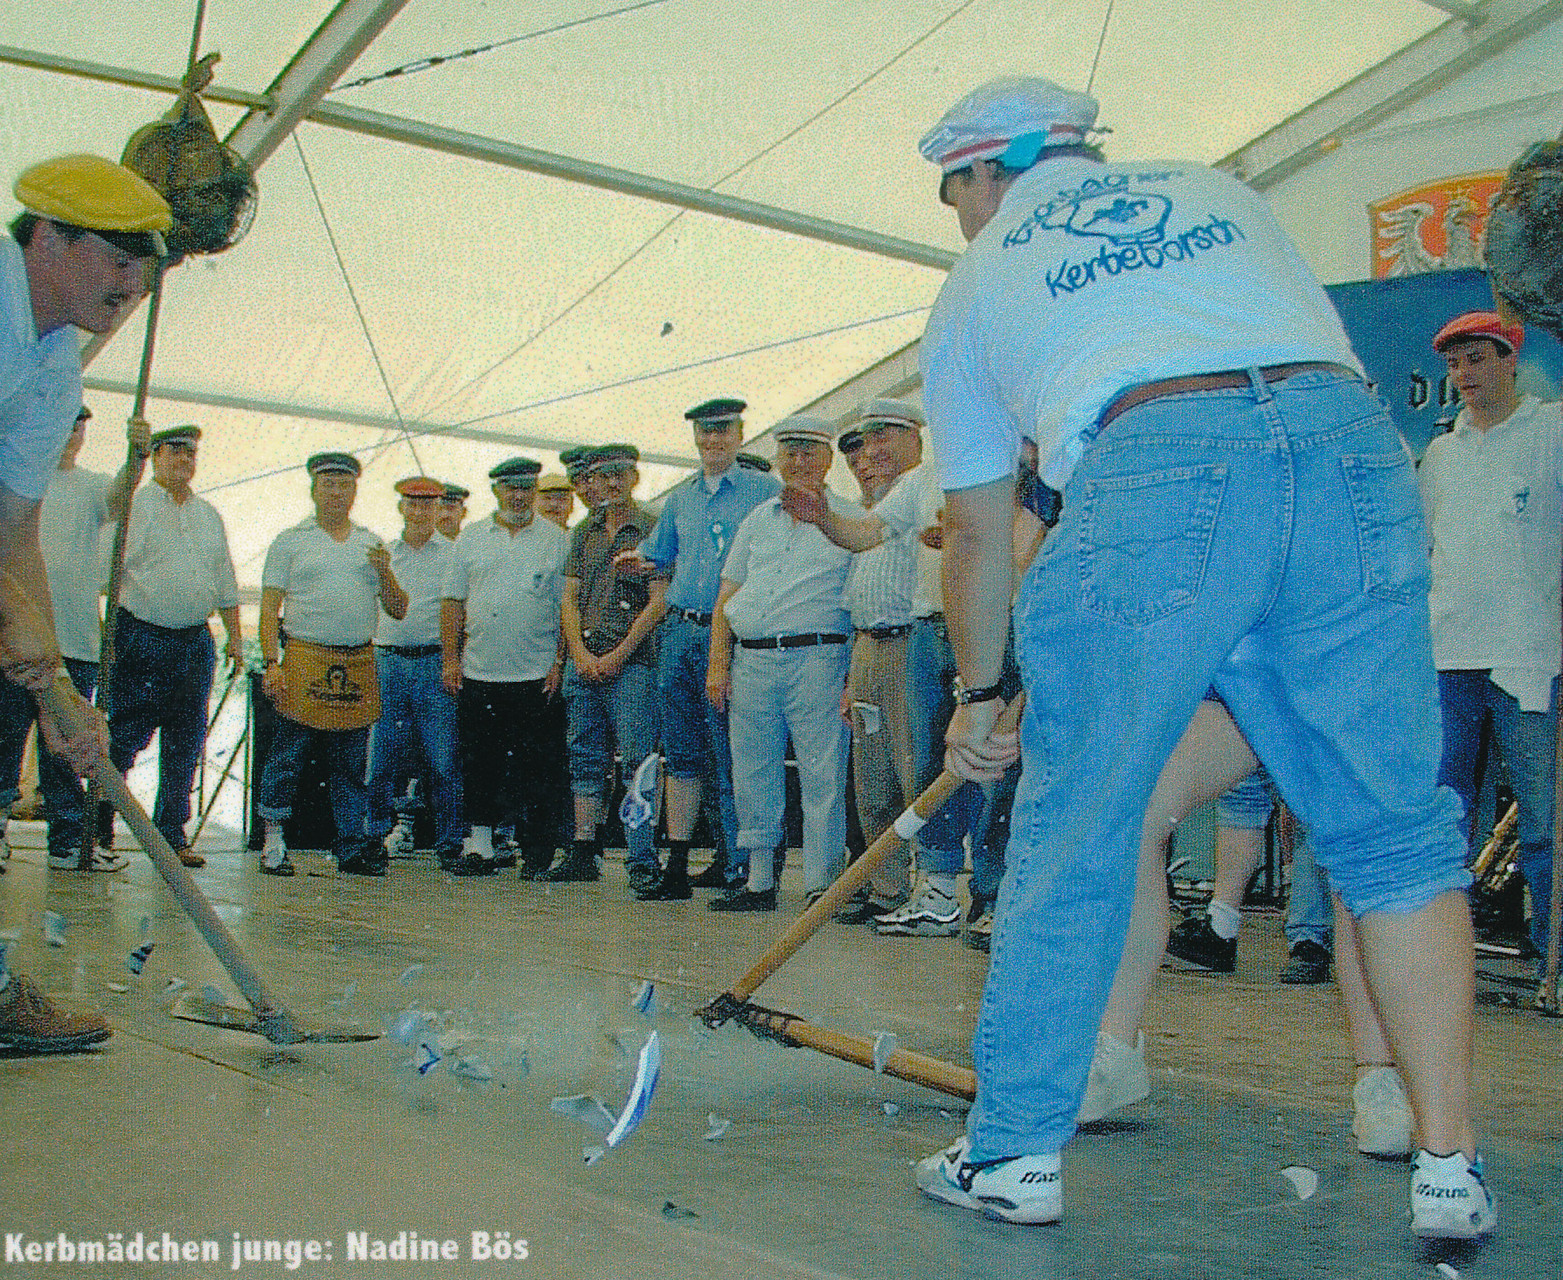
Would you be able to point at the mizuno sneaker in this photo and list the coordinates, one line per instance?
(931, 913)
(1026, 1189)
(1449, 1200)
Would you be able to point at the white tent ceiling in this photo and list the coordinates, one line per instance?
(516, 310)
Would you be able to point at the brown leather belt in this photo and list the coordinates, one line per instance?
(1211, 382)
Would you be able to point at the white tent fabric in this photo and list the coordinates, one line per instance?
(513, 312)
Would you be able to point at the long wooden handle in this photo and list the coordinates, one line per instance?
(276, 1023)
(857, 875)
(958, 1082)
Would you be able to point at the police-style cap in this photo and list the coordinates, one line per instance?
(1011, 120)
(753, 462)
(107, 199)
(715, 414)
(576, 460)
(553, 482)
(333, 464)
(614, 457)
(804, 429)
(455, 493)
(420, 487)
(1481, 324)
(518, 473)
(892, 413)
(187, 434)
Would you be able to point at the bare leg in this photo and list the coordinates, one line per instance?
(683, 802)
(1369, 1044)
(1422, 981)
(1238, 853)
(1210, 757)
(588, 813)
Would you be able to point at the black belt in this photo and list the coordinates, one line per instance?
(124, 615)
(1211, 382)
(886, 633)
(795, 642)
(411, 650)
(693, 615)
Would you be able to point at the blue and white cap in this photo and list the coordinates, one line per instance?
(1011, 120)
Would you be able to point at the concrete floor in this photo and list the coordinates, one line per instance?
(180, 1127)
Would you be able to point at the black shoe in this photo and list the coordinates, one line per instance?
(863, 910)
(1308, 966)
(505, 858)
(362, 864)
(1194, 942)
(745, 900)
(536, 868)
(713, 877)
(474, 864)
(573, 868)
(644, 878)
(283, 868)
(669, 888)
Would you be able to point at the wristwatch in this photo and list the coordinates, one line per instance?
(965, 697)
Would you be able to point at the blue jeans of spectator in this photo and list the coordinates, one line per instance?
(625, 708)
(417, 722)
(162, 683)
(1268, 540)
(1527, 743)
(346, 754)
(777, 693)
(1309, 916)
(694, 733)
(64, 800)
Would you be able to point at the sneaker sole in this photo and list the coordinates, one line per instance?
(1453, 1226)
(932, 1182)
(920, 928)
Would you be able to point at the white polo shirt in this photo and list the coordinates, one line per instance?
(420, 572)
(511, 584)
(329, 588)
(74, 511)
(177, 568)
(791, 574)
(1494, 503)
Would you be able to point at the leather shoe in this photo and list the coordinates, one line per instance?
(745, 900)
(713, 877)
(474, 864)
(190, 858)
(669, 888)
(572, 869)
(361, 864)
(283, 868)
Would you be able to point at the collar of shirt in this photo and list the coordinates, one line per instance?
(1524, 407)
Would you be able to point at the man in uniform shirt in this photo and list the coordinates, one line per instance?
(76, 507)
(322, 579)
(417, 713)
(781, 602)
(692, 537)
(76, 256)
(609, 617)
(1238, 512)
(177, 574)
(452, 510)
(1491, 491)
(501, 595)
(577, 464)
(555, 498)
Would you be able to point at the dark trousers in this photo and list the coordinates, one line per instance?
(63, 797)
(505, 760)
(162, 682)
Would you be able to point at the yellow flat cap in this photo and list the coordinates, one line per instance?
(91, 192)
(552, 481)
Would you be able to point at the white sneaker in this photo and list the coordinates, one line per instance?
(1449, 1199)
(932, 913)
(399, 842)
(1026, 1189)
(1381, 1116)
(1118, 1077)
(275, 851)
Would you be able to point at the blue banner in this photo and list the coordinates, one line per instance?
(1391, 324)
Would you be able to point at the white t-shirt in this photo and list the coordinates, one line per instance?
(177, 568)
(1495, 510)
(1092, 279)
(420, 572)
(791, 574)
(511, 584)
(74, 511)
(329, 588)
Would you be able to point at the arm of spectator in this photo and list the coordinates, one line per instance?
(814, 508)
(123, 486)
(392, 598)
(645, 622)
(719, 681)
(1029, 533)
(453, 621)
(233, 650)
(269, 628)
(570, 627)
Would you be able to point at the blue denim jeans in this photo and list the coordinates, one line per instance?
(1527, 743)
(626, 709)
(778, 693)
(417, 722)
(64, 799)
(161, 684)
(346, 754)
(1265, 539)
(694, 733)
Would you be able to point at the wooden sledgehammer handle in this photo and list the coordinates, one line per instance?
(857, 875)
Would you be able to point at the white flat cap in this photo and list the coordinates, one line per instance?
(1010, 119)
(901, 413)
(803, 429)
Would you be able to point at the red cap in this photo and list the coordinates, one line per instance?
(420, 487)
(1481, 324)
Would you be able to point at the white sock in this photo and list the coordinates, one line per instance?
(1224, 920)
(481, 841)
(762, 870)
(275, 848)
(945, 884)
